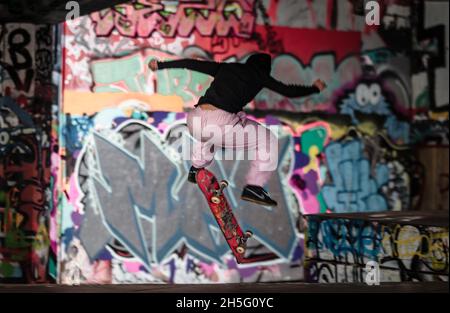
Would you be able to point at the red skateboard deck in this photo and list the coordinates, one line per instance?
(235, 237)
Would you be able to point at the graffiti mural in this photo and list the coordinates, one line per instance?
(337, 250)
(348, 149)
(28, 231)
(96, 62)
(306, 179)
(135, 216)
(24, 237)
(181, 18)
(146, 146)
(102, 184)
(367, 99)
(16, 62)
(354, 188)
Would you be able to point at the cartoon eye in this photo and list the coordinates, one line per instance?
(362, 95)
(375, 94)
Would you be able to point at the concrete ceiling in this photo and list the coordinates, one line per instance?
(47, 11)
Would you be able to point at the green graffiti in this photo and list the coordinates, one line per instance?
(6, 269)
(322, 204)
(129, 73)
(314, 138)
(422, 101)
(199, 82)
(126, 70)
(182, 83)
(52, 271)
(312, 143)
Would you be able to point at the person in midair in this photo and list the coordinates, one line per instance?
(233, 87)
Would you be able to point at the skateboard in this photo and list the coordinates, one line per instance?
(213, 190)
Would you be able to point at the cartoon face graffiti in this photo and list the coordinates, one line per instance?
(368, 99)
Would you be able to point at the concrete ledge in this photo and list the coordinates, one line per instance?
(409, 287)
(430, 218)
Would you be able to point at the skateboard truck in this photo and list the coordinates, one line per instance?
(241, 247)
(217, 193)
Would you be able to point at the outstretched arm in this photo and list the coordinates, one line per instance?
(206, 67)
(292, 91)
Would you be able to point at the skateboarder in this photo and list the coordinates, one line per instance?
(234, 86)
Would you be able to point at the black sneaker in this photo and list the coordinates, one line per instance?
(257, 195)
(192, 175)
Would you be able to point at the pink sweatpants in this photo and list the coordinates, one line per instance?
(218, 128)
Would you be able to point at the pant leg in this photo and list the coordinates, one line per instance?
(260, 145)
(233, 131)
(202, 153)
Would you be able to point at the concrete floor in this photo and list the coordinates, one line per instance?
(429, 287)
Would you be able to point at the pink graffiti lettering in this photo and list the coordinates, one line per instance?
(206, 18)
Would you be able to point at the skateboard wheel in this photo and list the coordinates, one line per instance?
(215, 200)
(223, 184)
(248, 233)
(240, 249)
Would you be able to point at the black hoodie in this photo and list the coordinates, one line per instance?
(236, 84)
(260, 62)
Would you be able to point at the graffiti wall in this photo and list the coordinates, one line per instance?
(27, 140)
(127, 212)
(337, 250)
(166, 232)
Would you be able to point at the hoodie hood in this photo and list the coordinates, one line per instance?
(261, 62)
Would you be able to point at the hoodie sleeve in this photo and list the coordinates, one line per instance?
(291, 91)
(206, 67)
